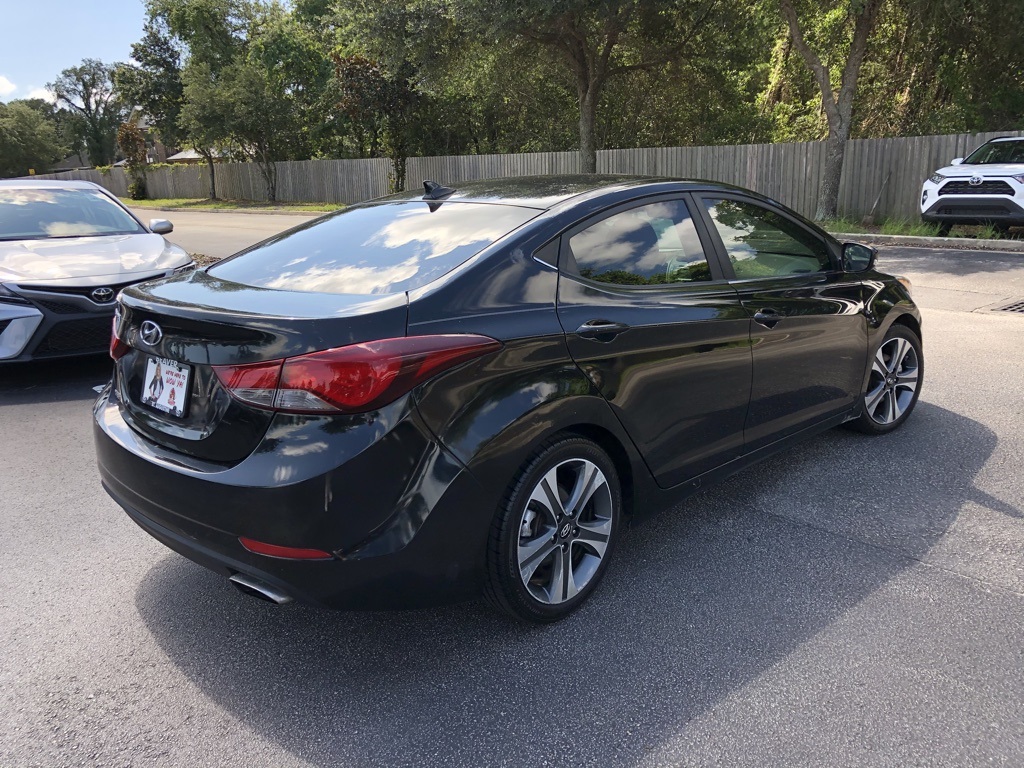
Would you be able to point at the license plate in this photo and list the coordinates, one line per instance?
(165, 386)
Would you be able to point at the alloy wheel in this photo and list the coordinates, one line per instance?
(894, 378)
(564, 531)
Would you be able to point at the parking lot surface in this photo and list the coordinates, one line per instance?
(222, 233)
(855, 601)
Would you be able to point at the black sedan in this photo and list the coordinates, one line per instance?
(436, 396)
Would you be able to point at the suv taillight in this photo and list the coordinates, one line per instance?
(351, 379)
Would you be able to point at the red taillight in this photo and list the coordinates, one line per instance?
(255, 384)
(118, 348)
(289, 553)
(352, 379)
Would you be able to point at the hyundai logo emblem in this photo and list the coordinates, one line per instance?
(150, 333)
(102, 295)
(975, 180)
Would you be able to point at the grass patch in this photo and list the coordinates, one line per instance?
(185, 204)
(905, 227)
(988, 232)
(916, 228)
(851, 226)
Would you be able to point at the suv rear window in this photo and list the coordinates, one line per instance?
(387, 248)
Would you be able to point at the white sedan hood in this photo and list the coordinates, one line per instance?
(76, 260)
(987, 170)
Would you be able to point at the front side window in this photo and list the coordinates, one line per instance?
(762, 243)
(45, 213)
(374, 249)
(654, 244)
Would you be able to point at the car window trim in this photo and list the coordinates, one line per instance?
(718, 276)
(723, 254)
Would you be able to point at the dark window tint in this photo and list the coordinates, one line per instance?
(39, 213)
(377, 249)
(761, 243)
(652, 244)
(997, 152)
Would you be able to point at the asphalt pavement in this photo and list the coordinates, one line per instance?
(855, 601)
(222, 233)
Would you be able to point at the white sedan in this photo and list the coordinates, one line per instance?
(67, 248)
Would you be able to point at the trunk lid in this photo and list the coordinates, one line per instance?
(205, 321)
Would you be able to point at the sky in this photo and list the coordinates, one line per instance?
(39, 38)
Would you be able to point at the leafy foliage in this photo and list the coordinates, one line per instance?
(133, 147)
(87, 91)
(28, 140)
(267, 80)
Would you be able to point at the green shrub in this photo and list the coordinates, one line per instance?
(137, 189)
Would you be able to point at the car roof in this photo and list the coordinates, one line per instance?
(547, 192)
(47, 184)
(1006, 138)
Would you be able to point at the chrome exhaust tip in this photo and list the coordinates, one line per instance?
(257, 588)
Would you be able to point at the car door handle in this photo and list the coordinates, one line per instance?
(601, 330)
(767, 317)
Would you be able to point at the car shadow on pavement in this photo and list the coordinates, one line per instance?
(698, 603)
(50, 381)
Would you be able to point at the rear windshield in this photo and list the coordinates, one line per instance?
(386, 248)
(45, 213)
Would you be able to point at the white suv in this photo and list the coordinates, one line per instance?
(985, 187)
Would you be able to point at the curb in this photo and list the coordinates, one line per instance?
(255, 212)
(952, 243)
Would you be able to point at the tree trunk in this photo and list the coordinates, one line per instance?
(838, 108)
(828, 196)
(269, 170)
(588, 117)
(213, 178)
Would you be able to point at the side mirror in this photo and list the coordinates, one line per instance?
(160, 226)
(957, 161)
(858, 258)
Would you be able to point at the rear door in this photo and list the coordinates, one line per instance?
(655, 326)
(808, 331)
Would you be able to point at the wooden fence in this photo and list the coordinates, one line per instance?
(890, 170)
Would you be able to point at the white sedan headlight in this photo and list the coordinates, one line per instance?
(936, 178)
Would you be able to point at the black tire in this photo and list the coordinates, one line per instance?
(875, 419)
(522, 521)
(944, 227)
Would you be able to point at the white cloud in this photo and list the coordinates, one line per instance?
(41, 93)
(6, 87)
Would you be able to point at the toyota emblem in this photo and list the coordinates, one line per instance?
(150, 333)
(975, 180)
(102, 295)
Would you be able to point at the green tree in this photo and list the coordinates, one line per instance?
(382, 110)
(27, 140)
(88, 92)
(843, 40)
(153, 83)
(133, 146)
(600, 40)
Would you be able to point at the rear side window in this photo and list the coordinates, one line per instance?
(378, 249)
(654, 244)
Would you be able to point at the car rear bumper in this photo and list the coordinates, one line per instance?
(429, 528)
